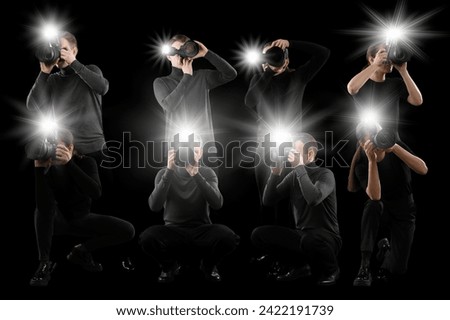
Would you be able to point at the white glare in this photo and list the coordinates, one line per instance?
(394, 34)
(48, 125)
(252, 56)
(49, 32)
(369, 117)
(165, 49)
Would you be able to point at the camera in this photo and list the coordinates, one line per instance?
(184, 156)
(49, 52)
(42, 148)
(188, 50)
(398, 54)
(381, 138)
(275, 56)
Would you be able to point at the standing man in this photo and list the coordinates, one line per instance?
(184, 93)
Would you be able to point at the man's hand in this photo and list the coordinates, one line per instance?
(193, 170)
(282, 43)
(369, 149)
(63, 154)
(202, 50)
(68, 56)
(186, 65)
(45, 68)
(295, 158)
(381, 57)
(171, 159)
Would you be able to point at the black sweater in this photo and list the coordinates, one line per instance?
(278, 99)
(70, 187)
(75, 93)
(185, 98)
(185, 199)
(312, 191)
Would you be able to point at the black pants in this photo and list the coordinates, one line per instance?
(399, 217)
(169, 243)
(103, 231)
(277, 214)
(316, 247)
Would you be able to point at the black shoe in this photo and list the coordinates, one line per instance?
(275, 270)
(211, 274)
(329, 279)
(383, 248)
(364, 278)
(43, 274)
(128, 265)
(84, 259)
(295, 273)
(383, 275)
(168, 274)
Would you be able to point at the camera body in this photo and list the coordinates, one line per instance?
(184, 156)
(381, 138)
(42, 148)
(188, 50)
(49, 52)
(275, 56)
(398, 54)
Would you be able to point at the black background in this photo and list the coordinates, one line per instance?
(116, 37)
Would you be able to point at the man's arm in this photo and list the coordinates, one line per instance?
(224, 71)
(257, 86)
(39, 96)
(210, 189)
(315, 193)
(353, 185)
(318, 57)
(276, 190)
(415, 163)
(170, 100)
(158, 197)
(414, 95)
(92, 76)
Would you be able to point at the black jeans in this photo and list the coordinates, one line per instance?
(399, 217)
(169, 243)
(316, 247)
(103, 231)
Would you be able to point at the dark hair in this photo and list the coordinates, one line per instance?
(372, 52)
(70, 38)
(179, 37)
(308, 142)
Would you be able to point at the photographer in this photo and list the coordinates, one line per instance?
(371, 88)
(186, 192)
(65, 183)
(384, 172)
(313, 245)
(184, 93)
(276, 94)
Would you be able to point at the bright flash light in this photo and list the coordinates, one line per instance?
(165, 49)
(49, 32)
(394, 34)
(369, 117)
(252, 56)
(280, 135)
(48, 125)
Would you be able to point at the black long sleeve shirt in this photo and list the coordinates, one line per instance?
(75, 94)
(312, 192)
(185, 98)
(70, 187)
(278, 99)
(186, 200)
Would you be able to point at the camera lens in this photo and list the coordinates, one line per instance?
(274, 56)
(384, 139)
(189, 49)
(48, 53)
(398, 54)
(184, 156)
(40, 149)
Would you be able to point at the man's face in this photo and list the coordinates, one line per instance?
(379, 152)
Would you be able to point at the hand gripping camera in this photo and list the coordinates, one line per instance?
(275, 56)
(381, 138)
(184, 156)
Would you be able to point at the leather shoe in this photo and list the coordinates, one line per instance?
(43, 274)
(80, 256)
(364, 278)
(295, 273)
(329, 279)
(168, 276)
(383, 275)
(211, 274)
